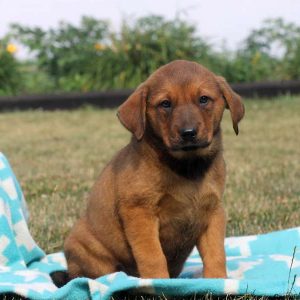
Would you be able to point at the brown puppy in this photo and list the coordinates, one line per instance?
(161, 194)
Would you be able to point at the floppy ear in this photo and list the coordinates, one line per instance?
(132, 113)
(233, 103)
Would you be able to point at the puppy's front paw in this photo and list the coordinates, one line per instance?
(215, 273)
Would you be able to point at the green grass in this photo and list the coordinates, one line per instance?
(58, 155)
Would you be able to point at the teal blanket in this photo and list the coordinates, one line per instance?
(267, 264)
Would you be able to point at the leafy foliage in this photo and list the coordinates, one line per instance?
(9, 73)
(66, 52)
(92, 56)
(277, 44)
(144, 45)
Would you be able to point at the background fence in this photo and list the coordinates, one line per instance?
(111, 99)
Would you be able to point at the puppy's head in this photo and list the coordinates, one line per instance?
(181, 104)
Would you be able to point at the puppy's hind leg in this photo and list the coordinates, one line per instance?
(90, 267)
(86, 256)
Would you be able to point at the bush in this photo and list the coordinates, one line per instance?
(277, 44)
(91, 56)
(65, 52)
(141, 47)
(10, 78)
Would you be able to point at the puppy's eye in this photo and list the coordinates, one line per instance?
(203, 100)
(165, 104)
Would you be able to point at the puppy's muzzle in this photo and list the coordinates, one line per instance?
(189, 140)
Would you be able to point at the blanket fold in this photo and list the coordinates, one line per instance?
(262, 265)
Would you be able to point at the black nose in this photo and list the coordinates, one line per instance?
(188, 134)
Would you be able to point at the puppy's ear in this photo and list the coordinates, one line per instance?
(233, 103)
(132, 113)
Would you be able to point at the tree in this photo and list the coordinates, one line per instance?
(278, 45)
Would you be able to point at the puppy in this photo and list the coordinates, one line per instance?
(161, 195)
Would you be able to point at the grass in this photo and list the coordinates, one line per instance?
(58, 155)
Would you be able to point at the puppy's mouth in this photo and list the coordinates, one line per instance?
(190, 147)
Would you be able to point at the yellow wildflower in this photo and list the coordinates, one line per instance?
(99, 46)
(11, 48)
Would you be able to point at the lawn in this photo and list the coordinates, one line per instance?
(58, 155)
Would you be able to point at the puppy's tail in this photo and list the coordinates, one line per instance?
(60, 278)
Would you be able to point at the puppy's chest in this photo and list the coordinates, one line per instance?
(182, 213)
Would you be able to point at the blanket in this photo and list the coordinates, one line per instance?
(267, 264)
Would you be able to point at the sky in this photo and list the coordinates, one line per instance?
(216, 20)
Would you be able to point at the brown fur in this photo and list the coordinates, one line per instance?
(160, 196)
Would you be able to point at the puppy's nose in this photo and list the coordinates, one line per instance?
(188, 134)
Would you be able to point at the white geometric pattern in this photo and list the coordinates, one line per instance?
(23, 237)
(4, 242)
(9, 187)
(31, 275)
(96, 286)
(146, 286)
(4, 210)
(243, 266)
(58, 258)
(23, 289)
(231, 286)
(111, 277)
(242, 243)
(287, 259)
(4, 269)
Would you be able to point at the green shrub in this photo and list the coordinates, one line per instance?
(65, 52)
(92, 56)
(9, 72)
(278, 45)
(141, 47)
